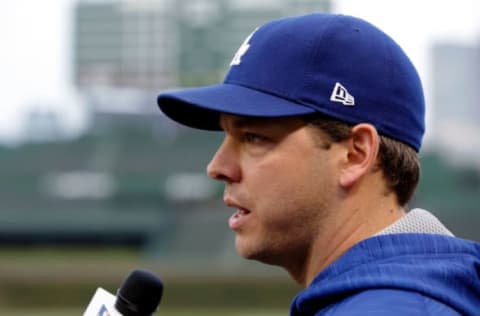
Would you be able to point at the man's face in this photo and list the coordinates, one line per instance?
(280, 182)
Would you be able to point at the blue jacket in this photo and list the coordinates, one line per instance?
(399, 274)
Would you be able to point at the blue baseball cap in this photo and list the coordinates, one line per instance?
(337, 65)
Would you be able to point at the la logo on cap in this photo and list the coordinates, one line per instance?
(237, 59)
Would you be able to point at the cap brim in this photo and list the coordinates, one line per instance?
(201, 107)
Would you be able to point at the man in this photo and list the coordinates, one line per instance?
(323, 117)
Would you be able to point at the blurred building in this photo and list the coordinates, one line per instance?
(456, 75)
(158, 44)
(124, 44)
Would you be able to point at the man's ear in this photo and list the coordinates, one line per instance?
(361, 154)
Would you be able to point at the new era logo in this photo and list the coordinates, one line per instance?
(341, 94)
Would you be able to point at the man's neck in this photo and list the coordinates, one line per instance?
(352, 223)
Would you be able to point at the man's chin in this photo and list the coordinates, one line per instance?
(255, 254)
(246, 249)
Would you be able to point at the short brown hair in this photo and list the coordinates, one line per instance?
(399, 162)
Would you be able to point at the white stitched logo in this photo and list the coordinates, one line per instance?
(237, 59)
(341, 94)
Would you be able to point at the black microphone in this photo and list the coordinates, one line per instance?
(139, 295)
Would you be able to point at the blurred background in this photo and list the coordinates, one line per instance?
(95, 181)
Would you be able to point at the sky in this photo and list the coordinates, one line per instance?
(35, 62)
(36, 48)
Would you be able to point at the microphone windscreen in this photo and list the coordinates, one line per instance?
(139, 294)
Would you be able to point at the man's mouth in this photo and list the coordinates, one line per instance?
(238, 218)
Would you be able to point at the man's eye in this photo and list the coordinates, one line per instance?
(253, 138)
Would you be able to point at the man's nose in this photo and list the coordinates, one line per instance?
(224, 164)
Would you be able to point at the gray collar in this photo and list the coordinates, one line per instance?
(417, 221)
